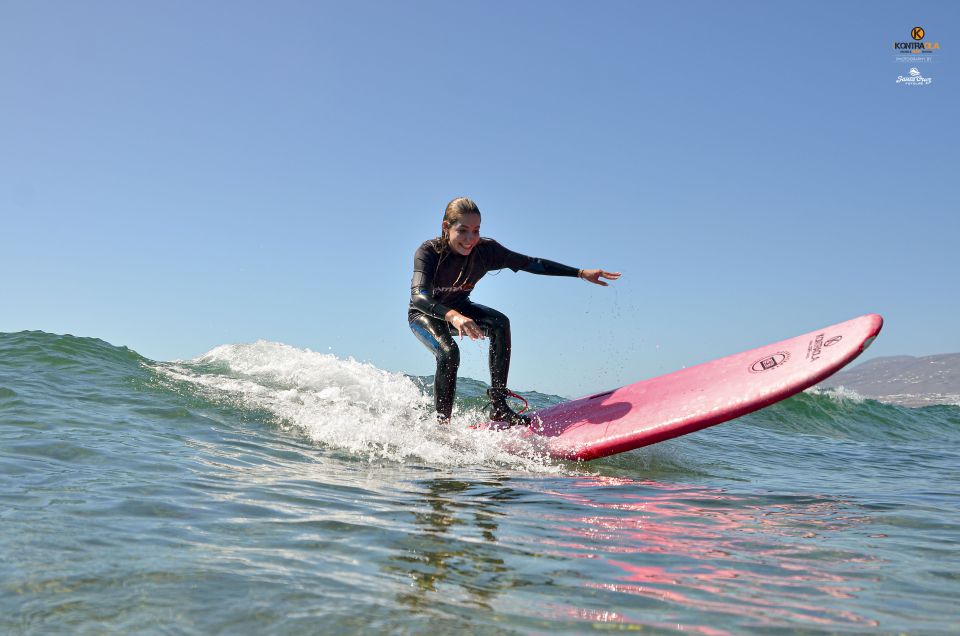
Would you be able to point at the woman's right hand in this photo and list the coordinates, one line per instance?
(464, 325)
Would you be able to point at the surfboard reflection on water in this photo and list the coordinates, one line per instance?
(701, 550)
(653, 555)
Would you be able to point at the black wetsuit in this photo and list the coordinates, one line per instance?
(443, 280)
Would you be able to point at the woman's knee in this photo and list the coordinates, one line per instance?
(448, 358)
(494, 322)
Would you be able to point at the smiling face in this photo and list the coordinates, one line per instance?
(464, 233)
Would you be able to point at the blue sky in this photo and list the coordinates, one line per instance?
(179, 175)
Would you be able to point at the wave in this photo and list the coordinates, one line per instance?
(347, 405)
(843, 413)
(42, 351)
(369, 414)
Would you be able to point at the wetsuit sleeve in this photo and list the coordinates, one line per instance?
(549, 268)
(502, 257)
(421, 286)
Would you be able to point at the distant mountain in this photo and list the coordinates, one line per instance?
(904, 380)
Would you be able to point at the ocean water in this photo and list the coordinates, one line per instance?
(263, 489)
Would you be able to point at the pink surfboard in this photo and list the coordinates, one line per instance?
(694, 398)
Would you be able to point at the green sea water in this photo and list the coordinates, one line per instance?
(263, 489)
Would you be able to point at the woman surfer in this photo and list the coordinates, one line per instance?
(445, 271)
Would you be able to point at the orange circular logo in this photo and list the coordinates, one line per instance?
(917, 33)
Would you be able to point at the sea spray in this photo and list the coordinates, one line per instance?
(349, 405)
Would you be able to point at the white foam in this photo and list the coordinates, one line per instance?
(351, 406)
(839, 394)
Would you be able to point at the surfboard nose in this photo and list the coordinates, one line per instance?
(874, 326)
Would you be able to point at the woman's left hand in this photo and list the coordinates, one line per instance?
(594, 276)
